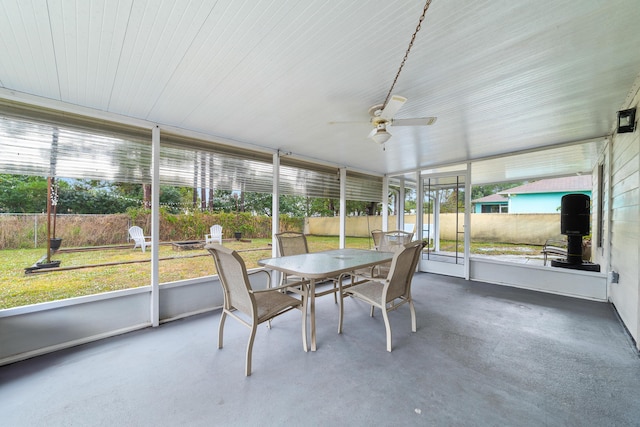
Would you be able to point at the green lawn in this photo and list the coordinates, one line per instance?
(18, 288)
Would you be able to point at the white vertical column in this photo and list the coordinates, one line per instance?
(467, 222)
(436, 220)
(385, 202)
(401, 200)
(343, 207)
(607, 242)
(419, 207)
(155, 226)
(275, 204)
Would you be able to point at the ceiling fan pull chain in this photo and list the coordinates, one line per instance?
(413, 37)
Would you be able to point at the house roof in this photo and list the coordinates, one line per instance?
(556, 185)
(492, 198)
(299, 77)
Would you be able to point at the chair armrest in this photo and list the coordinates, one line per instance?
(252, 273)
(277, 288)
(268, 287)
(555, 247)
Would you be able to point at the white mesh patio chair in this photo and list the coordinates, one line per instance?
(250, 307)
(388, 293)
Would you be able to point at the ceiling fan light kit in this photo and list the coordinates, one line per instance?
(381, 136)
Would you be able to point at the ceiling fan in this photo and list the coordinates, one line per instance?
(382, 114)
(382, 117)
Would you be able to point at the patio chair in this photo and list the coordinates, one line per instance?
(387, 241)
(377, 236)
(294, 243)
(215, 234)
(368, 272)
(391, 292)
(250, 307)
(136, 234)
(554, 249)
(392, 241)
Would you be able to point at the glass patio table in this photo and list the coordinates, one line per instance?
(319, 266)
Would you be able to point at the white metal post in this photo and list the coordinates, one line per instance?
(275, 204)
(467, 222)
(343, 207)
(436, 220)
(401, 200)
(155, 226)
(419, 207)
(385, 202)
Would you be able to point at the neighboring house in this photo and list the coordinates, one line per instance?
(545, 195)
(493, 203)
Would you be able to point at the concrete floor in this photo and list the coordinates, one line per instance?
(483, 355)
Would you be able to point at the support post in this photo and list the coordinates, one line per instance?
(275, 205)
(155, 226)
(343, 208)
(385, 203)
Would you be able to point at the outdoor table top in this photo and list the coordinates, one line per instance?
(320, 265)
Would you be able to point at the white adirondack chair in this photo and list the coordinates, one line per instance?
(136, 234)
(215, 235)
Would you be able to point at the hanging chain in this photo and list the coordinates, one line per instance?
(413, 38)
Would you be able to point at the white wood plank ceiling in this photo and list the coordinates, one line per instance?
(501, 76)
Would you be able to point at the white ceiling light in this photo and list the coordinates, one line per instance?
(381, 135)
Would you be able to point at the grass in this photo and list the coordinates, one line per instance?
(18, 289)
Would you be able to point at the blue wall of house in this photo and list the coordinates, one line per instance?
(539, 202)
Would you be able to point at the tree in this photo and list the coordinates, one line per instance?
(28, 194)
(452, 201)
(23, 193)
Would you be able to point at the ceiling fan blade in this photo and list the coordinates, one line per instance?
(393, 105)
(349, 122)
(422, 121)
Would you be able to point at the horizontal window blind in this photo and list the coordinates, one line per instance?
(37, 141)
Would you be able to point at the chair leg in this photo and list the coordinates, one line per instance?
(247, 370)
(304, 321)
(371, 313)
(221, 328)
(413, 316)
(341, 312)
(387, 326)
